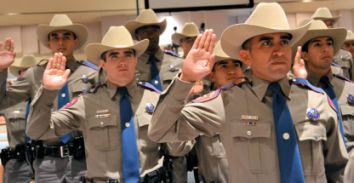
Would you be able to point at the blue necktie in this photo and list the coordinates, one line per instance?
(327, 87)
(130, 155)
(154, 73)
(288, 151)
(64, 98)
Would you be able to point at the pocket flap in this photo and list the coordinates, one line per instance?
(103, 121)
(251, 131)
(347, 110)
(310, 130)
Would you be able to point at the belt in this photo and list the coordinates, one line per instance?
(58, 151)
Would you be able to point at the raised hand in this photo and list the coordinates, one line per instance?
(299, 68)
(200, 59)
(7, 54)
(55, 75)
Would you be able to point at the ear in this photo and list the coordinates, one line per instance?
(245, 57)
(305, 56)
(101, 63)
(77, 42)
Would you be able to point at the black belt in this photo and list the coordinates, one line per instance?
(73, 148)
(20, 152)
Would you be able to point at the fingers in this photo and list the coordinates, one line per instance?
(298, 55)
(9, 44)
(66, 74)
(58, 61)
(197, 41)
(212, 43)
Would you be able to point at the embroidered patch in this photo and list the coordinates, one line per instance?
(313, 114)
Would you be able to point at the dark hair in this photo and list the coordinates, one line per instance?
(103, 55)
(145, 26)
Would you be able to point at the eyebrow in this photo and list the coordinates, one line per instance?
(316, 40)
(65, 34)
(117, 53)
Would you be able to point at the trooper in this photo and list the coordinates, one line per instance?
(342, 59)
(16, 158)
(155, 66)
(186, 37)
(113, 117)
(349, 42)
(287, 133)
(319, 45)
(56, 159)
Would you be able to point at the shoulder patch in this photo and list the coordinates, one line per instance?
(170, 52)
(207, 97)
(342, 77)
(89, 64)
(72, 102)
(330, 102)
(148, 86)
(307, 84)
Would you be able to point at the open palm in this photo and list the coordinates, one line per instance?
(200, 60)
(55, 75)
(7, 54)
(299, 68)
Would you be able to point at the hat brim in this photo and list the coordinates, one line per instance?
(133, 25)
(80, 31)
(234, 36)
(93, 51)
(337, 34)
(335, 18)
(176, 37)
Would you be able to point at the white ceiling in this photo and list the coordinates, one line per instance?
(28, 12)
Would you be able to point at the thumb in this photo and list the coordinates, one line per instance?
(66, 74)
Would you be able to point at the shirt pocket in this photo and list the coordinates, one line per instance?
(253, 143)
(312, 135)
(348, 121)
(104, 133)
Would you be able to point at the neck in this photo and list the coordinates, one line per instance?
(318, 72)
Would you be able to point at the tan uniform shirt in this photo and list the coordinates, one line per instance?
(16, 123)
(343, 89)
(251, 146)
(27, 87)
(167, 64)
(212, 162)
(97, 116)
(344, 60)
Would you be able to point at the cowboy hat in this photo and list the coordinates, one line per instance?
(24, 63)
(189, 30)
(318, 28)
(350, 36)
(220, 55)
(116, 37)
(266, 18)
(323, 13)
(62, 22)
(147, 17)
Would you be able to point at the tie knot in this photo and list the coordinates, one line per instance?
(325, 80)
(274, 88)
(123, 91)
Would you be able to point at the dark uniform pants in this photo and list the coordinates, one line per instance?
(59, 170)
(17, 171)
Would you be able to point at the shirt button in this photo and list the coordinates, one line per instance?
(156, 82)
(249, 132)
(63, 95)
(101, 123)
(127, 124)
(286, 136)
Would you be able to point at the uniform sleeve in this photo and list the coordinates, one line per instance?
(45, 124)
(173, 120)
(335, 151)
(18, 92)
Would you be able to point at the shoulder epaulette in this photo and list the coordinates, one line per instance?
(170, 52)
(148, 86)
(306, 83)
(90, 64)
(342, 77)
(42, 62)
(207, 97)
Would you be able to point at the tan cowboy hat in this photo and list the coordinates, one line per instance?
(266, 18)
(62, 22)
(116, 37)
(323, 13)
(24, 63)
(189, 30)
(350, 36)
(318, 28)
(220, 54)
(147, 17)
